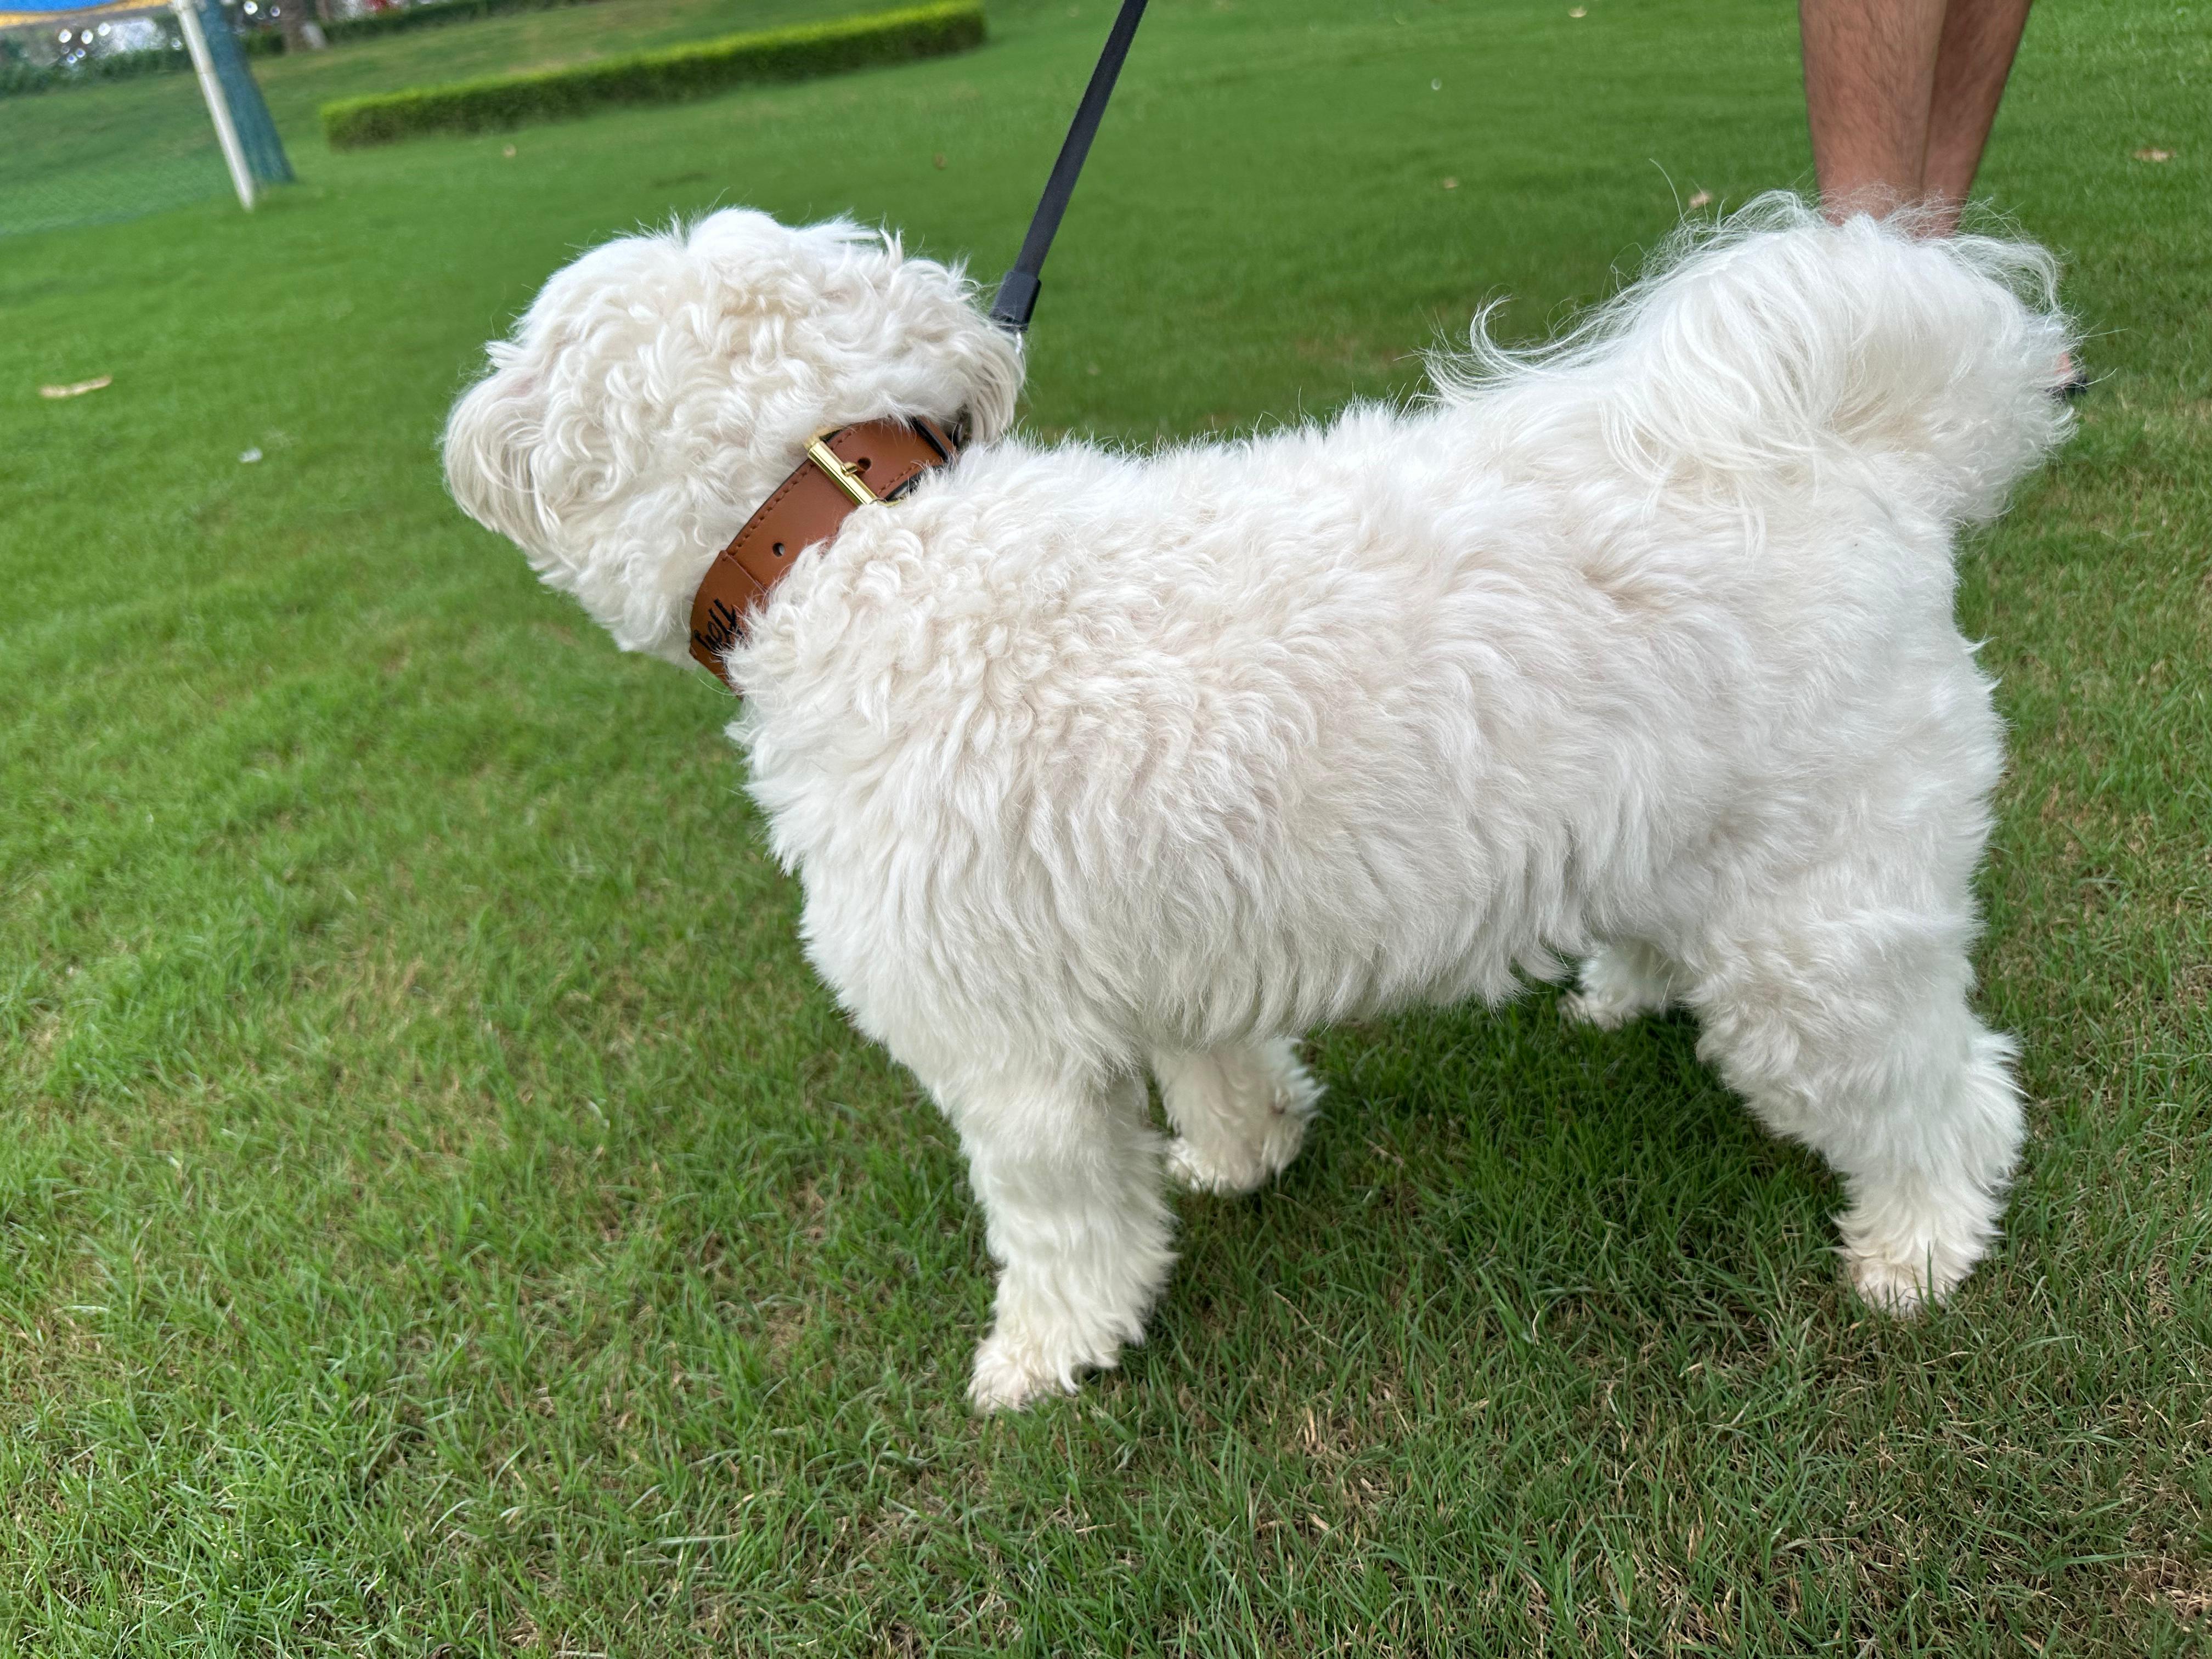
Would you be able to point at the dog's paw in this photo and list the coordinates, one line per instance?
(1901, 1277)
(1608, 1014)
(1620, 983)
(1890, 1283)
(1011, 1372)
(1903, 1256)
(1234, 1169)
(1889, 1287)
(1195, 1170)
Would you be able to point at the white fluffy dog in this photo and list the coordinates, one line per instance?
(1637, 649)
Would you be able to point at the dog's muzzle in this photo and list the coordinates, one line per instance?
(845, 469)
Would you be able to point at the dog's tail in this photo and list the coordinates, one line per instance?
(1778, 339)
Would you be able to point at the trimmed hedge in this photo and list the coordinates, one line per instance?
(649, 77)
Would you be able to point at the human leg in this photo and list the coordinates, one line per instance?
(1870, 84)
(1901, 95)
(1971, 65)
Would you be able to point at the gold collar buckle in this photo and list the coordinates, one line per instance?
(839, 474)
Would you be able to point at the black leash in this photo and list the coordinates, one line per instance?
(1017, 292)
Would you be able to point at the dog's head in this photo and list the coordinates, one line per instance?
(661, 386)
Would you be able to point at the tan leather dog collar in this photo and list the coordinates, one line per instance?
(844, 471)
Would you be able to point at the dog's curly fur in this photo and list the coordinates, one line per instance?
(1638, 649)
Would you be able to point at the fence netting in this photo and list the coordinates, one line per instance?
(81, 143)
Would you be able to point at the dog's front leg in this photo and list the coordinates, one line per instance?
(1068, 1172)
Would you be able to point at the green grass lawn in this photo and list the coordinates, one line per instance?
(440, 1213)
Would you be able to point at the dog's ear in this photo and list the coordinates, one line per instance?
(488, 441)
(991, 368)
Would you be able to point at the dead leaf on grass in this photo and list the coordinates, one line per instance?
(76, 388)
(2149, 154)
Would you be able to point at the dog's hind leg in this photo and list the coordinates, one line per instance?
(1068, 1173)
(1621, 982)
(1239, 1112)
(1843, 1021)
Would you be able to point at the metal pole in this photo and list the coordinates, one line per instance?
(188, 14)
